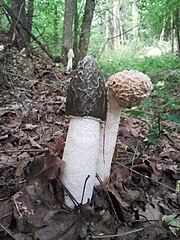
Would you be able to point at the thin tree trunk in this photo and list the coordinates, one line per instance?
(107, 25)
(19, 35)
(76, 30)
(85, 29)
(117, 25)
(177, 28)
(55, 26)
(120, 27)
(67, 38)
(135, 20)
(172, 33)
(161, 39)
(115, 29)
(178, 40)
(30, 12)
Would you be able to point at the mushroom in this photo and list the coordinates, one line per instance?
(86, 105)
(70, 56)
(125, 89)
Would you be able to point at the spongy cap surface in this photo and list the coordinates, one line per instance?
(129, 87)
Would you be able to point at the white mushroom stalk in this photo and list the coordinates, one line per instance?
(86, 105)
(109, 132)
(70, 57)
(125, 89)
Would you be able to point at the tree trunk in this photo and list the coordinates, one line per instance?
(120, 26)
(30, 12)
(172, 33)
(85, 29)
(135, 20)
(19, 35)
(114, 31)
(56, 40)
(117, 26)
(76, 30)
(161, 39)
(177, 27)
(67, 38)
(178, 40)
(106, 27)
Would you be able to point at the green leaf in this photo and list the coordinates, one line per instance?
(134, 112)
(169, 103)
(152, 136)
(172, 220)
(173, 118)
(148, 103)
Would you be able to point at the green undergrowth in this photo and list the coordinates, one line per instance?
(164, 102)
(151, 66)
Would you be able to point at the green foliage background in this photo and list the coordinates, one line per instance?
(155, 17)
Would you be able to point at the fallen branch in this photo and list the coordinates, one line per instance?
(7, 230)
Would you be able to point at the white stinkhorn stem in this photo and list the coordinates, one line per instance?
(69, 64)
(80, 157)
(70, 56)
(108, 140)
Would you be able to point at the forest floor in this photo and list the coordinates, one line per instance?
(142, 199)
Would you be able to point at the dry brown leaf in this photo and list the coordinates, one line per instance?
(46, 167)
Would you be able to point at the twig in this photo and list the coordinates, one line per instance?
(162, 184)
(109, 198)
(169, 138)
(24, 150)
(17, 75)
(60, 183)
(7, 230)
(117, 235)
(84, 188)
(136, 149)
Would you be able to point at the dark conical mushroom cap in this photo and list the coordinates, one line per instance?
(86, 94)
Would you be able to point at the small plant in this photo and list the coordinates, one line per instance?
(159, 114)
(155, 111)
(112, 62)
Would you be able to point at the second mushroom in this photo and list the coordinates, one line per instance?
(125, 89)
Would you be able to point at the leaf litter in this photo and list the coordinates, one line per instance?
(141, 200)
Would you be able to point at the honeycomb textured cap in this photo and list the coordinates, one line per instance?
(128, 88)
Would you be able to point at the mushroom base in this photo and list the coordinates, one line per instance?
(80, 157)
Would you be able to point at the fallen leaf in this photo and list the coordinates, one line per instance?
(30, 126)
(47, 166)
(34, 143)
(6, 211)
(23, 161)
